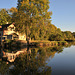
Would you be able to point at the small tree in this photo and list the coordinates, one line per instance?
(4, 17)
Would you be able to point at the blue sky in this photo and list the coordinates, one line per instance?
(8, 3)
(63, 12)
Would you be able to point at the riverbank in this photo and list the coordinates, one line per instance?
(37, 56)
(36, 43)
(48, 43)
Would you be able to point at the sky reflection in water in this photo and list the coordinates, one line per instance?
(63, 63)
(43, 61)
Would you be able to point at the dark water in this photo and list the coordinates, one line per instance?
(38, 61)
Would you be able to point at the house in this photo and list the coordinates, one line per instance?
(7, 31)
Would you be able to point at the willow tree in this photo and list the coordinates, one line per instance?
(32, 18)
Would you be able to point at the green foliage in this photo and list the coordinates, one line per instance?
(68, 35)
(32, 18)
(4, 17)
(73, 34)
(56, 36)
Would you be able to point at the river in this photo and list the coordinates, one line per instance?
(58, 60)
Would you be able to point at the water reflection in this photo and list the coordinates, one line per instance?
(27, 61)
(70, 44)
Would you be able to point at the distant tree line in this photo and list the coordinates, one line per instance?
(33, 18)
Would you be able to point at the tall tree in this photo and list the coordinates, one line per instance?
(32, 17)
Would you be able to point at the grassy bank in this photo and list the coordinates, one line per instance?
(37, 43)
(47, 43)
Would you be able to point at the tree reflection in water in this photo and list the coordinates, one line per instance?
(33, 62)
(3, 68)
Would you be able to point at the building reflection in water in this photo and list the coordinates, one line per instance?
(30, 61)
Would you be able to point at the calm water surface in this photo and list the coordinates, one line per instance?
(38, 61)
(63, 63)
